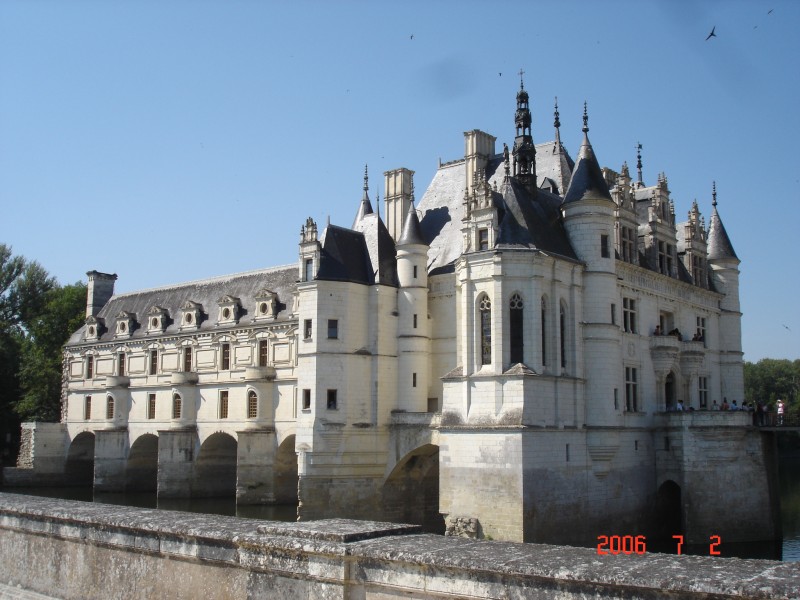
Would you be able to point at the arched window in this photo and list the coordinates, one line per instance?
(485, 309)
(562, 327)
(516, 329)
(544, 331)
(252, 404)
(176, 406)
(109, 407)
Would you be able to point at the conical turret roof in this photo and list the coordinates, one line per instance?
(412, 234)
(587, 177)
(719, 244)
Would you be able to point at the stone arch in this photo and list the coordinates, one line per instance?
(668, 511)
(411, 492)
(141, 470)
(214, 473)
(79, 467)
(285, 472)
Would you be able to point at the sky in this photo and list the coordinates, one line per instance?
(174, 140)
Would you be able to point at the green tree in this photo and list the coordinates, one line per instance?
(41, 355)
(770, 379)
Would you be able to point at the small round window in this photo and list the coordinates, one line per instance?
(154, 323)
(122, 327)
(263, 308)
(91, 330)
(188, 317)
(226, 313)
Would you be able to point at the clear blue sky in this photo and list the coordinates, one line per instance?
(175, 140)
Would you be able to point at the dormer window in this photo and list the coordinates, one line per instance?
(190, 315)
(125, 324)
(94, 328)
(156, 319)
(266, 305)
(228, 310)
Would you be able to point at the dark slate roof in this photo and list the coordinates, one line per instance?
(380, 248)
(553, 162)
(587, 177)
(206, 292)
(344, 256)
(719, 244)
(532, 222)
(412, 234)
(442, 205)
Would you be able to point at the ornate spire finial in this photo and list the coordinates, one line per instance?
(714, 194)
(585, 119)
(557, 122)
(639, 160)
(378, 203)
(366, 179)
(521, 84)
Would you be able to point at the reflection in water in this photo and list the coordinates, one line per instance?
(789, 469)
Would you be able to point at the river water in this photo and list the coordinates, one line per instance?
(788, 550)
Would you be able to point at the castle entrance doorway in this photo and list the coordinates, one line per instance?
(668, 515)
(411, 492)
(79, 468)
(215, 468)
(141, 472)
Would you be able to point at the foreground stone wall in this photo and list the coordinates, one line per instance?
(70, 549)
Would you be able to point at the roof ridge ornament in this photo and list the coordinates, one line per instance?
(557, 124)
(585, 118)
(366, 178)
(639, 162)
(714, 194)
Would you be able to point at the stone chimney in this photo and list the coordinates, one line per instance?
(399, 195)
(99, 290)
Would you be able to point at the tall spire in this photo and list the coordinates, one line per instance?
(719, 244)
(365, 208)
(557, 125)
(524, 151)
(639, 163)
(587, 177)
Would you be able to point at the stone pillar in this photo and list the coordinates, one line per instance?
(176, 449)
(255, 473)
(110, 458)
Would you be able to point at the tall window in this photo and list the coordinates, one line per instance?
(562, 331)
(187, 359)
(307, 329)
(309, 269)
(151, 406)
(263, 353)
(662, 258)
(252, 404)
(516, 329)
(483, 239)
(176, 406)
(109, 407)
(223, 404)
(698, 271)
(333, 402)
(631, 391)
(306, 399)
(226, 357)
(87, 408)
(604, 251)
(702, 389)
(121, 364)
(153, 362)
(415, 321)
(544, 332)
(333, 329)
(89, 366)
(485, 309)
(701, 329)
(627, 244)
(629, 315)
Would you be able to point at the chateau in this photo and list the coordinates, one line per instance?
(502, 358)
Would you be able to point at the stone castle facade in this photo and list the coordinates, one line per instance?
(486, 360)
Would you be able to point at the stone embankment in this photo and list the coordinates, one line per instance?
(69, 549)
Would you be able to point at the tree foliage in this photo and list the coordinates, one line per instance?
(770, 379)
(36, 318)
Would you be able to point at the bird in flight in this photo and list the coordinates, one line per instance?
(769, 12)
(787, 327)
(412, 36)
(712, 34)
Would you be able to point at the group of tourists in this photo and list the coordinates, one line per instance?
(760, 410)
